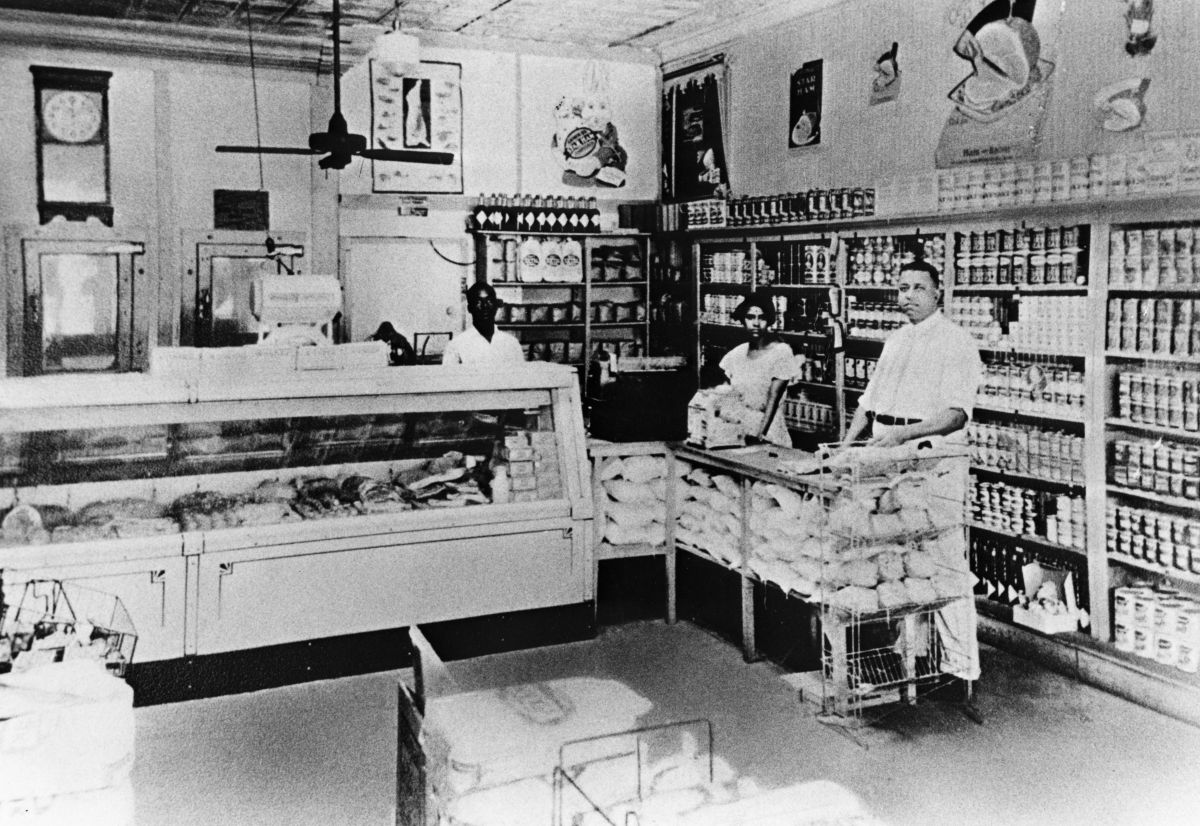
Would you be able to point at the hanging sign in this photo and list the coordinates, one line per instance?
(805, 108)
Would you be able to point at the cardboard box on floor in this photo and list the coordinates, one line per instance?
(1034, 616)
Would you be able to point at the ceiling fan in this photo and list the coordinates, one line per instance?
(339, 144)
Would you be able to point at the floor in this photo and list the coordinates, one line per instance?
(1049, 751)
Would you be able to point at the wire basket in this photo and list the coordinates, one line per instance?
(56, 621)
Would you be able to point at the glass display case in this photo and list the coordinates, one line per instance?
(246, 512)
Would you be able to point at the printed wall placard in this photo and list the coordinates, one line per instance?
(805, 108)
(885, 76)
(1000, 105)
(416, 107)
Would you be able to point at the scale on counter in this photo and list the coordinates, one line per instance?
(295, 310)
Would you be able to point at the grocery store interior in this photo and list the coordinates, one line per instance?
(284, 536)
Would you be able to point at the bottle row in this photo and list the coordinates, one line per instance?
(1026, 449)
(800, 207)
(801, 413)
(1167, 468)
(1040, 386)
(535, 213)
(1161, 326)
(1154, 256)
(997, 563)
(1157, 623)
(1060, 519)
(1170, 400)
(877, 261)
(1166, 540)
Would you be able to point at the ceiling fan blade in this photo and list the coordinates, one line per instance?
(268, 150)
(408, 155)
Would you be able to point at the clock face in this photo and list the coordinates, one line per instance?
(72, 116)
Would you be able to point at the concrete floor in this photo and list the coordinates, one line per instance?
(1050, 751)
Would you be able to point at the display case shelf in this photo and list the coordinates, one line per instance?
(818, 384)
(1151, 496)
(725, 286)
(1028, 478)
(1157, 430)
(1154, 568)
(1032, 539)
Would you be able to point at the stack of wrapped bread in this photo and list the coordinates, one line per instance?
(709, 508)
(635, 493)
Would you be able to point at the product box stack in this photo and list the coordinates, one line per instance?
(532, 465)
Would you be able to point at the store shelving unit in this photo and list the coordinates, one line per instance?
(600, 300)
(1092, 356)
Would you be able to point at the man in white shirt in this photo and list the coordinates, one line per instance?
(481, 344)
(924, 386)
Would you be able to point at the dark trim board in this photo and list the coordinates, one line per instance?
(192, 678)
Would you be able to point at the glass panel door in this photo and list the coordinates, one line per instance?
(79, 325)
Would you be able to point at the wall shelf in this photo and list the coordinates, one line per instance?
(1151, 496)
(1154, 568)
(1032, 539)
(1157, 430)
(1028, 478)
(1030, 414)
(1163, 357)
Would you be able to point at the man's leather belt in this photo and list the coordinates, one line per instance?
(893, 421)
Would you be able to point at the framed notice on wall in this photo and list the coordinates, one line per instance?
(416, 107)
(804, 123)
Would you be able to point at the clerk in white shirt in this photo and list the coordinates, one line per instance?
(924, 386)
(481, 344)
(927, 376)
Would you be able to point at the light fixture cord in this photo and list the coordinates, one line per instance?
(254, 84)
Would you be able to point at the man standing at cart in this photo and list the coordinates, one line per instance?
(924, 386)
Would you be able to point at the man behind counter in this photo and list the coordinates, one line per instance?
(481, 344)
(928, 374)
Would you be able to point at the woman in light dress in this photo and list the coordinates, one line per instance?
(759, 371)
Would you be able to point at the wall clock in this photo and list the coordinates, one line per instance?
(71, 108)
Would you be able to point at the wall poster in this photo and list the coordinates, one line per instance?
(416, 107)
(1000, 106)
(805, 105)
(693, 143)
(585, 140)
(885, 78)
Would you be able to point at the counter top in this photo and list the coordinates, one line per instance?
(760, 461)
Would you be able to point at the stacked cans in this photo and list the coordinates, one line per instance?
(1022, 256)
(1003, 507)
(877, 261)
(725, 267)
(1055, 323)
(1166, 540)
(1163, 326)
(717, 308)
(978, 315)
(1033, 386)
(1027, 449)
(1157, 624)
(859, 371)
(1154, 256)
(1169, 400)
(800, 413)
(1167, 468)
(808, 263)
(873, 319)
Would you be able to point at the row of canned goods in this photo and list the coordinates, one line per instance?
(1169, 400)
(1157, 624)
(1021, 239)
(1020, 268)
(1154, 256)
(1157, 538)
(798, 207)
(1154, 325)
(1169, 468)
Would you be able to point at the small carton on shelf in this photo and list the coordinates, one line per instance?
(1051, 607)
